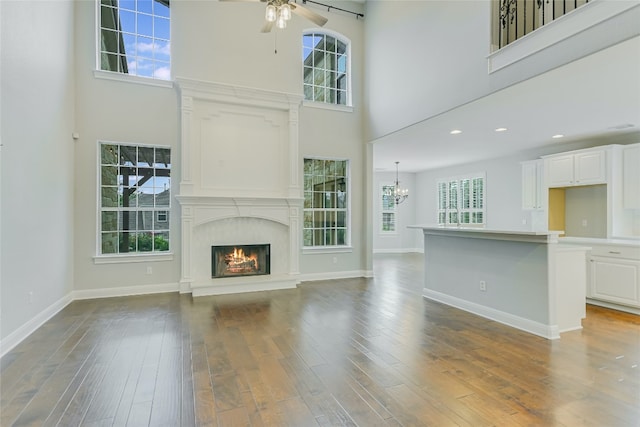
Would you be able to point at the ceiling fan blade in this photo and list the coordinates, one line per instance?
(266, 28)
(306, 13)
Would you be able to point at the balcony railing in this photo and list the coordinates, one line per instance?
(514, 19)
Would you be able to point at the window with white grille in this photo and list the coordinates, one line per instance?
(135, 37)
(461, 200)
(135, 198)
(325, 59)
(388, 210)
(326, 203)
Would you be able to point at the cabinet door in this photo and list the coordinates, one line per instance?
(560, 171)
(615, 280)
(589, 168)
(531, 198)
(631, 177)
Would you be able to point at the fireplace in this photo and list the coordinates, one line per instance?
(240, 260)
(227, 197)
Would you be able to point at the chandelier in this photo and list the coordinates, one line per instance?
(399, 194)
(278, 11)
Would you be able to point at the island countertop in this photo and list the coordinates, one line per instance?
(549, 236)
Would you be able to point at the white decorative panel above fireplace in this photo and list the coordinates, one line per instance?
(240, 182)
(240, 151)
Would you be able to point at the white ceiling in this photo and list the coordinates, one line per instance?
(578, 101)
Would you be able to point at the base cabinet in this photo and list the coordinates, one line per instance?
(615, 280)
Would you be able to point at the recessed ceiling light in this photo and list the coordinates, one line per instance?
(500, 129)
(455, 132)
(558, 136)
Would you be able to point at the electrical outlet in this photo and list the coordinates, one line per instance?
(149, 270)
(335, 260)
(483, 285)
(30, 297)
(584, 222)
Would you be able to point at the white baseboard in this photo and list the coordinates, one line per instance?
(17, 336)
(533, 327)
(125, 291)
(331, 275)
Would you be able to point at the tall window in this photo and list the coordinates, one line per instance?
(326, 203)
(135, 198)
(326, 68)
(388, 211)
(135, 37)
(461, 200)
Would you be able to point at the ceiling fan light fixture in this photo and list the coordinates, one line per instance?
(270, 13)
(281, 23)
(285, 11)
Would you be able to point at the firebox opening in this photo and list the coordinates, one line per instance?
(240, 260)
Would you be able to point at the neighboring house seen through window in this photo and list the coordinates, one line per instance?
(325, 68)
(135, 37)
(326, 203)
(135, 198)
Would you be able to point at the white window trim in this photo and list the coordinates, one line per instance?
(128, 78)
(327, 106)
(124, 259)
(347, 41)
(306, 250)
(100, 258)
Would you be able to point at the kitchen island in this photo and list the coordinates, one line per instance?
(523, 279)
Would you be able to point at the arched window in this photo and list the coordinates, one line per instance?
(326, 68)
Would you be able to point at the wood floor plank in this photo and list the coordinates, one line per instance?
(352, 352)
(297, 412)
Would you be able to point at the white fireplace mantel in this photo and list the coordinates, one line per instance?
(240, 182)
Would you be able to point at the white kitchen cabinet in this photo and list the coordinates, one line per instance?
(585, 167)
(615, 275)
(533, 185)
(631, 176)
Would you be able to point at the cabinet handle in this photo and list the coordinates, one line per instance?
(615, 252)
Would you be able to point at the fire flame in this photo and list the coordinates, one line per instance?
(239, 259)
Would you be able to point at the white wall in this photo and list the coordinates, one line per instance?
(37, 118)
(218, 42)
(448, 43)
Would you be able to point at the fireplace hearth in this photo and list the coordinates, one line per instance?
(240, 260)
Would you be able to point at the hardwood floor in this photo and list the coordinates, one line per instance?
(365, 352)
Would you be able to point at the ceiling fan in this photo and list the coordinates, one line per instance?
(278, 12)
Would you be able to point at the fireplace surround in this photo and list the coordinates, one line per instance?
(240, 182)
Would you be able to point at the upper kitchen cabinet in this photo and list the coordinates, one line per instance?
(582, 167)
(631, 176)
(533, 185)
